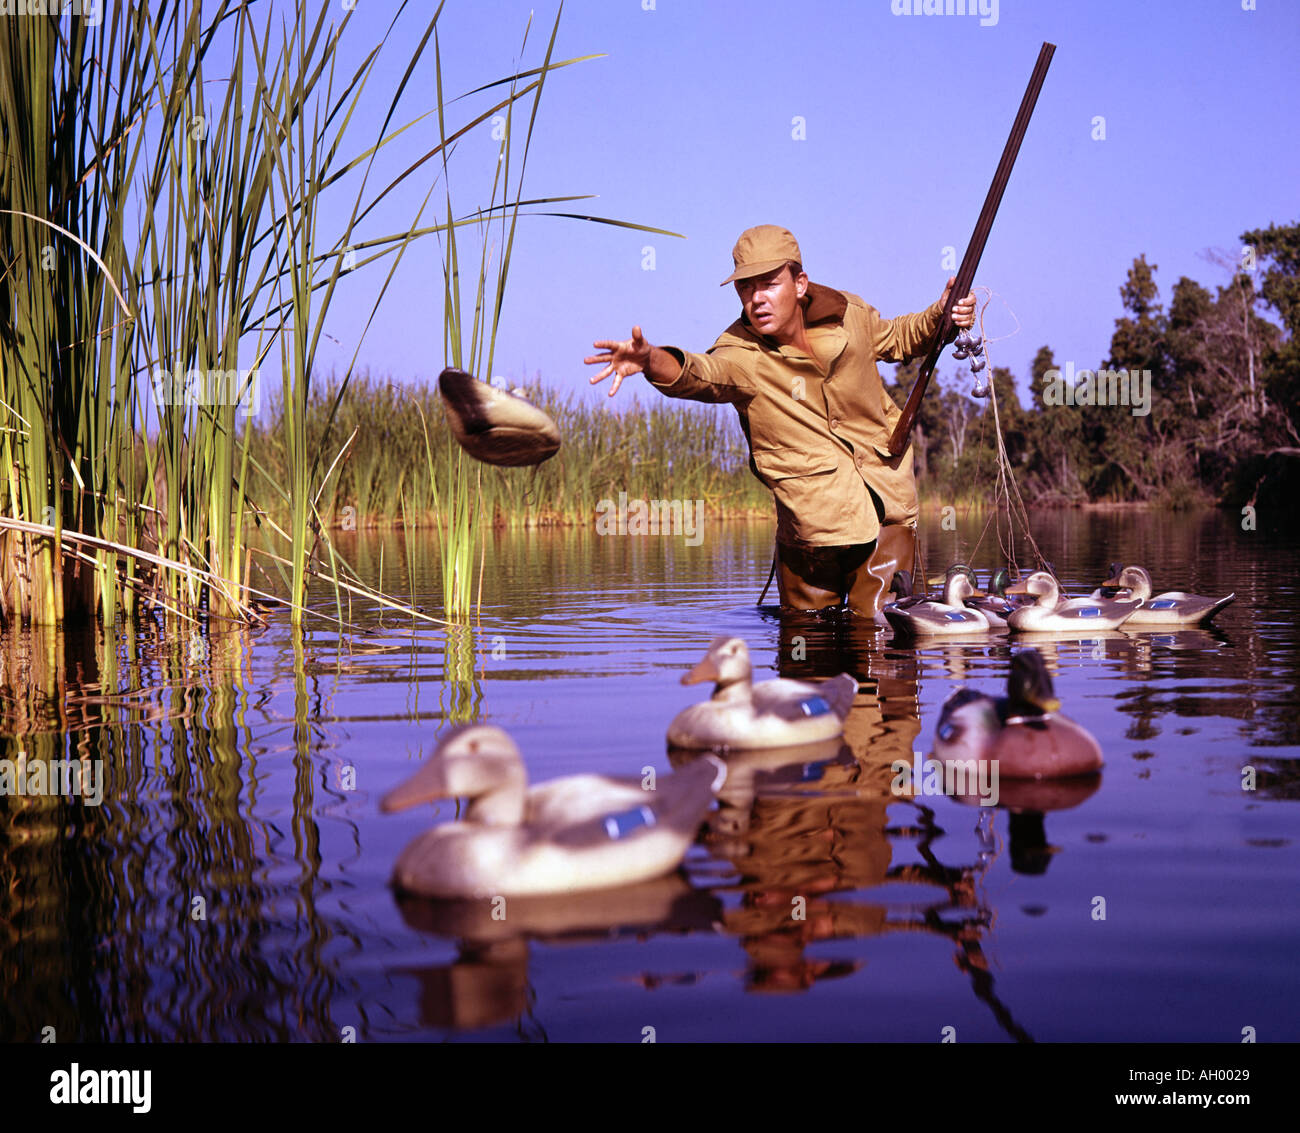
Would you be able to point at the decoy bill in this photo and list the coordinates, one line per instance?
(494, 425)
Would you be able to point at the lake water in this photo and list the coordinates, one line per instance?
(233, 884)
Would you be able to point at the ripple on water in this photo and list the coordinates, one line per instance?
(234, 883)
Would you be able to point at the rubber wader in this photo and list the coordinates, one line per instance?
(812, 578)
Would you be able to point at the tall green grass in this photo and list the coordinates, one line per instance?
(163, 179)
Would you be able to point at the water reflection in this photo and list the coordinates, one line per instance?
(849, 842)
(487, 982)
(233, 883)
(464, 695)
(131, 919)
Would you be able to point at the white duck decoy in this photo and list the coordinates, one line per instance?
(1053, 614)
(1022, 731)
(743, 716)
(1172, 608)
(576, 833)
(926, 617)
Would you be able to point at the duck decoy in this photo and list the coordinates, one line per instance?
(1022, 731)
(995, 605)
(571, 834)
(926, 617)
(743, 716)
(1053, 614)
(1108, 589)
(1172, 608)
(494, 425)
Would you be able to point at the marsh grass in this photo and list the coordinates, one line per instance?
(163, 185)
(652, 449)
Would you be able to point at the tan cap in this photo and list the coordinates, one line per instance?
(762, 249)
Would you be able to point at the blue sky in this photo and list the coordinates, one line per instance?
(688, 124)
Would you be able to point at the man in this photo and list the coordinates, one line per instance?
(799, 365)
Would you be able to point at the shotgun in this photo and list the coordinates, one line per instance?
(966, 273)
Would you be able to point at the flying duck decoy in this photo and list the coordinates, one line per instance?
(494, 425)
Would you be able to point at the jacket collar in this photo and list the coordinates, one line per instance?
(824, 304)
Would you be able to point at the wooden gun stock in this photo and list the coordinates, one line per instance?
(966, 273)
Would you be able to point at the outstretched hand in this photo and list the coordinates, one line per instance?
(963, 311)
(623, 359)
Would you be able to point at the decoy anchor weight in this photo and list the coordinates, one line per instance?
(969, 344)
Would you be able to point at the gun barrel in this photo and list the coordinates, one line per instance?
(975, 249)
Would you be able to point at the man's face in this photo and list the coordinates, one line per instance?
(771, 302)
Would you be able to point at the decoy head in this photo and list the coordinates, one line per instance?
(901, 584)
(726, 663)
(959, 583)
(479, 762)
(999, 580)
(1134, 578)
(1029, 685)
(1042, 586)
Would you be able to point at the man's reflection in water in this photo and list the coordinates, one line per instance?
(806, 830)
(808, 827)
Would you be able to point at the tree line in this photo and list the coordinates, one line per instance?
(1221, 418)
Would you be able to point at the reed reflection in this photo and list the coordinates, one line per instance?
(180, 908)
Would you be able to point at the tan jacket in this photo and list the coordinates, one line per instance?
(818, 428)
